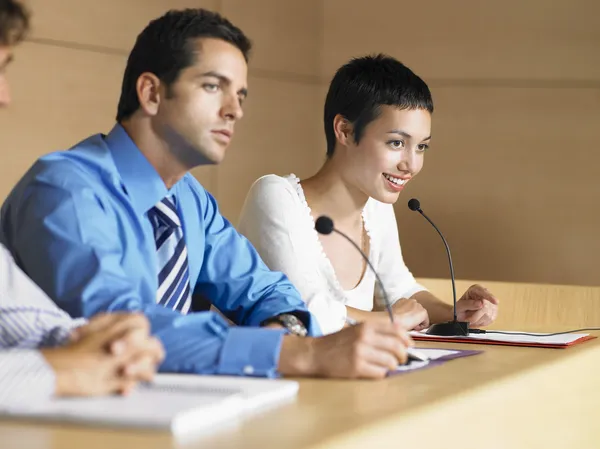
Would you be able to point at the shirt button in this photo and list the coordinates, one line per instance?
(248, 369)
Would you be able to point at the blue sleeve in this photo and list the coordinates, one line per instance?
(236, 279)
(69, 245)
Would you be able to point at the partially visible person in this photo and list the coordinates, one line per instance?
(378, 127)
(43, 351)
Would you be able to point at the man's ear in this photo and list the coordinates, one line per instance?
(148, 92)
(343, 130)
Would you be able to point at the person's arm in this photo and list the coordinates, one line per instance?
(238, 281)
(25, 377)
(477, 305)
(367, 350)
(28, 318)
(438, 310)
(111, 354)
(69, 244)
(281, 231)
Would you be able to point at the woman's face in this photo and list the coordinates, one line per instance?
(390, 152)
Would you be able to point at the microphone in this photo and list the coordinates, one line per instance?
(324, 225)
(454, 327)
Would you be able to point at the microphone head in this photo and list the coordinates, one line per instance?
(414, 204)
(324, 225)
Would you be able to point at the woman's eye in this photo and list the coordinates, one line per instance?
(396, 144)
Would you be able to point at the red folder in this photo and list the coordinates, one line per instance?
(483, 341)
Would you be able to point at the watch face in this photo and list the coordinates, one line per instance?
(293, 324)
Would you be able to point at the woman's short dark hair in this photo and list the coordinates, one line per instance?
(363, 85)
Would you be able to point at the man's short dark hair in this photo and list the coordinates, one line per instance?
(14, 22)
(363, 85)
(165, 48)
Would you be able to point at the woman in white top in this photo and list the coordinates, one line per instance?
(377, 125)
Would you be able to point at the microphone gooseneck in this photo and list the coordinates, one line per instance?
(324, 225)
(453, 327)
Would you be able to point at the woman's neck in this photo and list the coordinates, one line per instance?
(328, 193)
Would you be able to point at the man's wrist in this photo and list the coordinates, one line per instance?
(297, 356)
(287, 321)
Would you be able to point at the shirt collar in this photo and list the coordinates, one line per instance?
(141, 181)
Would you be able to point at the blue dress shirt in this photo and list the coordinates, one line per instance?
(77, 224)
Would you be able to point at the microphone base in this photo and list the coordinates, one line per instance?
(450, 329)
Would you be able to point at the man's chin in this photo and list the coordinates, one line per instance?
(202, 157)
(215, 158)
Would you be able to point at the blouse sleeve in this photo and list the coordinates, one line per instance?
(28, 318)
(275, 221)
(395, 275)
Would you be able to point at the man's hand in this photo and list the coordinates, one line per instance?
(411, 314)
(108, 355)
(477, 306)
(368, 350)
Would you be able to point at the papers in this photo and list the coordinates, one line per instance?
(181, 404)
(511, 338)
(436, 356)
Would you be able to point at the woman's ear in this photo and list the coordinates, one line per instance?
(343, 130)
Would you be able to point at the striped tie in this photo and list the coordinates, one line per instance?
(173, 274)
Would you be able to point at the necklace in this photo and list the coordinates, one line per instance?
(363, 240)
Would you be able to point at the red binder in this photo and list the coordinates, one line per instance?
(489, 341)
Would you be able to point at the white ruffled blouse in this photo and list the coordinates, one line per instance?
(278, 222)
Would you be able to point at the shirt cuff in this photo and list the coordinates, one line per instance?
(61, 335)
(250, 351)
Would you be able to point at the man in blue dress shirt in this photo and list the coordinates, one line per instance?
(119, 223)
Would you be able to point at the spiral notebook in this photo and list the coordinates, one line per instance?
(180, 404)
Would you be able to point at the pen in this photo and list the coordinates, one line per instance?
(413, 354)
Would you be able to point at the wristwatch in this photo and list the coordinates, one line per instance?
(290, 322)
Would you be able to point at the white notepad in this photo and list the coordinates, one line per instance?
(181, 404)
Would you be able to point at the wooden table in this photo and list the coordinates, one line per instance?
(504, 398)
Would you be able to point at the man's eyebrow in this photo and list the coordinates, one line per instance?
(223, 79)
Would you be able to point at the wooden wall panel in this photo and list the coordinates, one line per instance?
(286, 34)
(469, 39)
(112, 24)
(512, 180)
